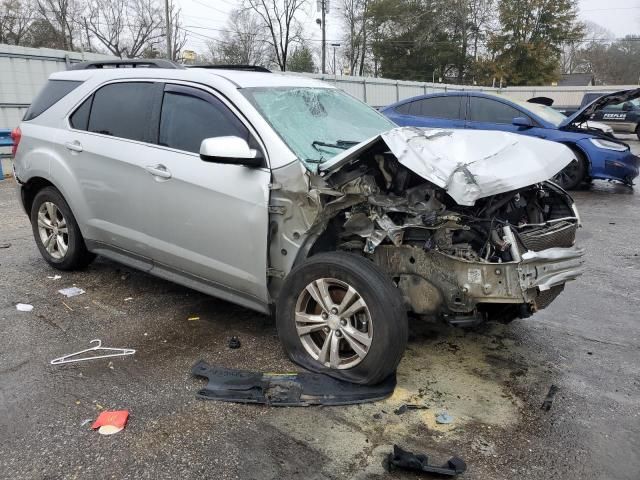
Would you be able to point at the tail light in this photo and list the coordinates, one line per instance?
(16, 136)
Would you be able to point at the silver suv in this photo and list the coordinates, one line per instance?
(284, 194)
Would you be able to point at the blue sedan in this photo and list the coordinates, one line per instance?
(598, 155)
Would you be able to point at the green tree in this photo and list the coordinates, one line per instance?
(301, 60)
(528, 47)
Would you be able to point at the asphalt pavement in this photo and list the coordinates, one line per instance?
(492, 380)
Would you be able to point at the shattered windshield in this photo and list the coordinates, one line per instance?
(317, 123)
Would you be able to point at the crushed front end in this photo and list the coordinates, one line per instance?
(461, 240)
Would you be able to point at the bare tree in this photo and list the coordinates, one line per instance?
(15, 19)
(178, 34)
(63, 15)
(279, 18)
(243, 41)
(127, 28)
(354, 18)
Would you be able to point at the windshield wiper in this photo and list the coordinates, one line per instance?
(341, 144)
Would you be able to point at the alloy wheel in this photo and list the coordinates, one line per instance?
(53, 230)
(333, 323)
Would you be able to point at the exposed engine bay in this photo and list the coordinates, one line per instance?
(504, 256)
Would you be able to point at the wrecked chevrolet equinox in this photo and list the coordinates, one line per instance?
(284, 194)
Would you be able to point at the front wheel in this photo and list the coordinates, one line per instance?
(339, 314)
(56, 231)
(572, 176)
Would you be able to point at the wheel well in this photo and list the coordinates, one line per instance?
(578, 151)
(31, 189)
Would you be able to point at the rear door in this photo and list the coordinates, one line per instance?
(107, 148)
(208, 220)
(445, 111)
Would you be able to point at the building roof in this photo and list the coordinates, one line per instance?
(576, 80)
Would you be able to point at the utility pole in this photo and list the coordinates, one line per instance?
(168, 27)
(324, 8)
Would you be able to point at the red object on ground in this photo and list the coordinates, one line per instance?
(116, 418)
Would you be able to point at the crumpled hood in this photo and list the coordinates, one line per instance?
(468, 164)
(585, 113)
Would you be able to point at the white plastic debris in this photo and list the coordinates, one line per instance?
(444, 418)
(71, 292)
(54, 277)
(24, 307)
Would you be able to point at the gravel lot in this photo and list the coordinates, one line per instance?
(492, 379)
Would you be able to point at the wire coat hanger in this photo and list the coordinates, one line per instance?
(68, 359)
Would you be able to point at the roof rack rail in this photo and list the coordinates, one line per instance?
(130, 63)
(246, 68)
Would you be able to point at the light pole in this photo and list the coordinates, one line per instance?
(324, 8)
(168, 27)
(334, 45)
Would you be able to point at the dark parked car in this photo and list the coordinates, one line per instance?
(623, 116)
(598, 155)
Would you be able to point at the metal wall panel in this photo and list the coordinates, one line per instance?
(381, 92)
(25, 71)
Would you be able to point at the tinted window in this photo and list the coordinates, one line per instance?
(438, 107)
(80, 118)
(53, 91)
(492, 111)
(122, 110)
(404, 109)
(187, 119)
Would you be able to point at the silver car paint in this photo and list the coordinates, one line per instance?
(204, 248)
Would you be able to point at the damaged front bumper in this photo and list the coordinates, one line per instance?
(433, 282)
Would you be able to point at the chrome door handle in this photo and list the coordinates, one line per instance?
(158, 171)
(74, 146)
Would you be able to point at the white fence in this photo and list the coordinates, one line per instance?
(379, 92)
(23, 71)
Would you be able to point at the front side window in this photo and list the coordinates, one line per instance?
(440, 107)
(189, 116)
(491, 111)
(121, 110)
(317, 123)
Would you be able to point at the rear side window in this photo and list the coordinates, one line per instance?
(52, 92)
(404, 108)
(80, 118)
(120, 110)
(439, 107)
(492, 111)
(189, 116)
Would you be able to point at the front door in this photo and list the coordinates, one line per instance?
(206, 220)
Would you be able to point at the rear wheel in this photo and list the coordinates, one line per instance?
(340, 315)
(56, 232)
(571, 176)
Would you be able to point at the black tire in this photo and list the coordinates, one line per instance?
(573, 175)
(385, 306)
(76, 255)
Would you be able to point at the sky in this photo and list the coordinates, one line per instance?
(205, 18)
